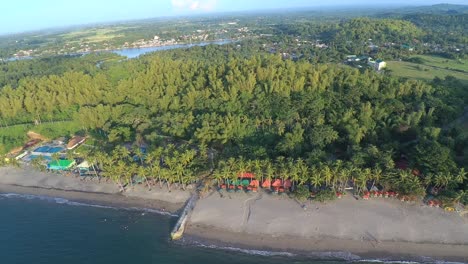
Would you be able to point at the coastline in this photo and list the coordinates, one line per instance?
(27, 181)
(92, 198)
(384, 229)
(326, 248)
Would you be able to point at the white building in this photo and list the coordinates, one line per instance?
(377, 65)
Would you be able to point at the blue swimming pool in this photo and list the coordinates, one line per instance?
(55, 149)
(45, 157)
(48, 149)
(43, 149)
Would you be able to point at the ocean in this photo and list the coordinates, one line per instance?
(35, 229)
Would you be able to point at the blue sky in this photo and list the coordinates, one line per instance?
(26, 15)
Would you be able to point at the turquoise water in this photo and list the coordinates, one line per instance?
(37, 229)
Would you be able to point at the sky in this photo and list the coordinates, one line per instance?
(28, 15)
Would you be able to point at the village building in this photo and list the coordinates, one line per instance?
(377, 65)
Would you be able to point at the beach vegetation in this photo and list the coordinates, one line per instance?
(325, 195)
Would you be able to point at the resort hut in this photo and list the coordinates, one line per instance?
(75, 142)
(61, 165)
(85, 169)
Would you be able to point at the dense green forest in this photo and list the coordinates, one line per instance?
(219, 111)
(262, 112)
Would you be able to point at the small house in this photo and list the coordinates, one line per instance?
(75, 142)
(407, 47)
(377, 65)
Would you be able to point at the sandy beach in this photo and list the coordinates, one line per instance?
(26, 180)
(376, 228)
(348, 228)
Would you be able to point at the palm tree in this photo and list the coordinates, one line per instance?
(343, 178)
(242, 166)
(257, 168)
(461, 176)
(70, 155)
(130, 173)
(304, 172)
(442, 179)
(218, 176)
(55, 157)
(139, 154)
(428, 180)
(316, 179)
(38, 163)
(12, 161)
(179, 171)
(269, 171)
(154, 160)
(462, 195)
(294, 173)
(360, 179)
(144, 172)
(327, 174)
(122, 153)
(188, 178)
(376, 176)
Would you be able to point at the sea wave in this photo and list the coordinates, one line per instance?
(327, 255)
(247, 251)
(425, 261)
(59, 200)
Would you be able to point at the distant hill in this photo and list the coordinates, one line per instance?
(439, 9)
(360, 30)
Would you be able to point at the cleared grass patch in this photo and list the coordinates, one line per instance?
(94, 35)
(422, 71)
(441, 62)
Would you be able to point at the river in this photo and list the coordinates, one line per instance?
(131, 53)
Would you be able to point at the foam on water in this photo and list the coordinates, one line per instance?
(326, 255)
(59, 200)
(264, 253)
(426, 261)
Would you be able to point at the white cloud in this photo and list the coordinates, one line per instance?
(194, 5)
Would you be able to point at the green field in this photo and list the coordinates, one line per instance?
(431, 67)
(93, 35)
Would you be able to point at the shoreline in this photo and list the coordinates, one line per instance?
(383, 229)
(94, 198)
(26, 181)
(325, 247)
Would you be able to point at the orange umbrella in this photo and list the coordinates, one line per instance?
(249, 175)
(287, 184)
(277, 183)
(254, 183)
